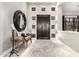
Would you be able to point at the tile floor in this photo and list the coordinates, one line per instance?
(46, 48)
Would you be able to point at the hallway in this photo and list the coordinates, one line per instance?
(48, 48)
(53, 27)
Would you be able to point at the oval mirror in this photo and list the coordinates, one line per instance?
(19, 20)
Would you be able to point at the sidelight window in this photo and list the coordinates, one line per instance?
(33, 35)
(33, 9)
(33, 26)
(53, 26)
(43, 9)
(52, 17)
(53, 35)
(53, 9)
(33, 17)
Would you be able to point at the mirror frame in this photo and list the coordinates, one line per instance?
(16, 20)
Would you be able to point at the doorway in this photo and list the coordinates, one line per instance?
(43, 26)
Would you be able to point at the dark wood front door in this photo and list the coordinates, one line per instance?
(43, 26)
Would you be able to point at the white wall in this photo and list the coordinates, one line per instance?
(7, 18)
(59, 18)
(70, 38)
(70, 8)
(7, 10)
(37, 12)
(1, 26)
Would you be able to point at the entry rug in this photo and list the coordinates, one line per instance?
(48, 48)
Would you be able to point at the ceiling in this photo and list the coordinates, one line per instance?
(39, 3)
(70, 6)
